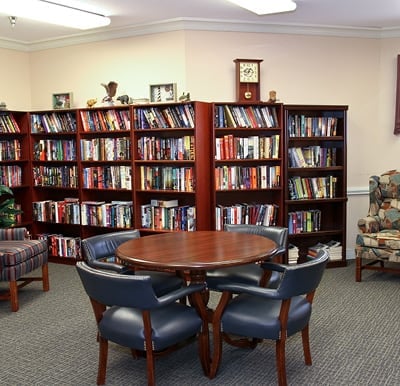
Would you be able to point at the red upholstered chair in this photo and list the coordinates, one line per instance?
(18, 256)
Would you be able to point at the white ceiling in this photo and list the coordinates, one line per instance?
(128, 17)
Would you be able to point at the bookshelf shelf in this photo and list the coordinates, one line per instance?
(316, 192)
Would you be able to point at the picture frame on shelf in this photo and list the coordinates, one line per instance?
(163, 92)
(62, 100)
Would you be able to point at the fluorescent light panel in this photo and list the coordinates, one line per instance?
(53, 13)
(265, 7)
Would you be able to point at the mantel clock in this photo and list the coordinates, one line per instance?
(248, 80)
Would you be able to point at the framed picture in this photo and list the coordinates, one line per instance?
(163, 92)
(62, 100)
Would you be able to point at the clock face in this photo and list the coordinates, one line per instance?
(249, 72)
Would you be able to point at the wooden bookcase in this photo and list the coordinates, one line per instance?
(15, 162)
(247, 168)
(55, 182)
(172, 151)
(315, 169)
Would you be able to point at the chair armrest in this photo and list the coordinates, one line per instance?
(180, 293)
(13, 233)
(369, 224)
(270, 266)
(249, 289)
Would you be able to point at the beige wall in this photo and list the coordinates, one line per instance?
(358, 72)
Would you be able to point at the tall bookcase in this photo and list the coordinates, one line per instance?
(315, 168)
(15, 161)
(55, 181)
(247, 167)
(171, 166)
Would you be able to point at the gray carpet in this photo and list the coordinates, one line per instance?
(355, 340)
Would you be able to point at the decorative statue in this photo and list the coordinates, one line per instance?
(125, 99)
(111, 90)
(272, 96)
(185, 97)
(91, 102)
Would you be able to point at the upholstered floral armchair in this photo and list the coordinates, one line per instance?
(378, 242)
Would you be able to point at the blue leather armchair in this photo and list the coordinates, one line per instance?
(265, 313)
(254, 274)
(99, 252)
(129, 313)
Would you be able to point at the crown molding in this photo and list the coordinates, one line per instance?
(196, 24)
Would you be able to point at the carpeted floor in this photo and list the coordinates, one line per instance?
(355, 340)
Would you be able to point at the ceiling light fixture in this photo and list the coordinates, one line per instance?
(54, 13)
(265, 7)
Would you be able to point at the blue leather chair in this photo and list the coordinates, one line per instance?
(99, 252)
(265, 313)
(129, 313)
(254, 274)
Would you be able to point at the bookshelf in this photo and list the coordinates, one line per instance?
(55, 182)
(15, 161)
(171, 164)
(315, 168)
(247, 164)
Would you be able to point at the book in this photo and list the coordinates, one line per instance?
(164, 203)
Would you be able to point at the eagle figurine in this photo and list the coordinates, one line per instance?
(111, 90)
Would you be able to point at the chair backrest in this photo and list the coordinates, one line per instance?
(301, 279)
(113, 289)
(103, 246)
(275, 233)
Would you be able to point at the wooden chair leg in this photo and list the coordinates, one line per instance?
(306, 346)
(150, 367)
(14, 295)
(45, 277)
(103, 353)
(358, 268)
(281, 361)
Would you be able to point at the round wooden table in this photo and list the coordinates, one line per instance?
(195, 252)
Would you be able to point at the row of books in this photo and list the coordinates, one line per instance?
(55, 176)
(10, 175)
(256, 214)
(303, 126)
(304, 221)
(66, 211)
(312, 187)
(8, 124)
(105, 149)
(105, 120)
(246, 116)
(107, 177)
(334, 247)
(166, 178)
(247, 177)
(10, 150)
(175, 218)
(54, 150)
(293, 254)
(252, 147)
(158, 148)
(53, 123)
(62, 246)
(157, 117)
(312, 156)
(115, 214)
